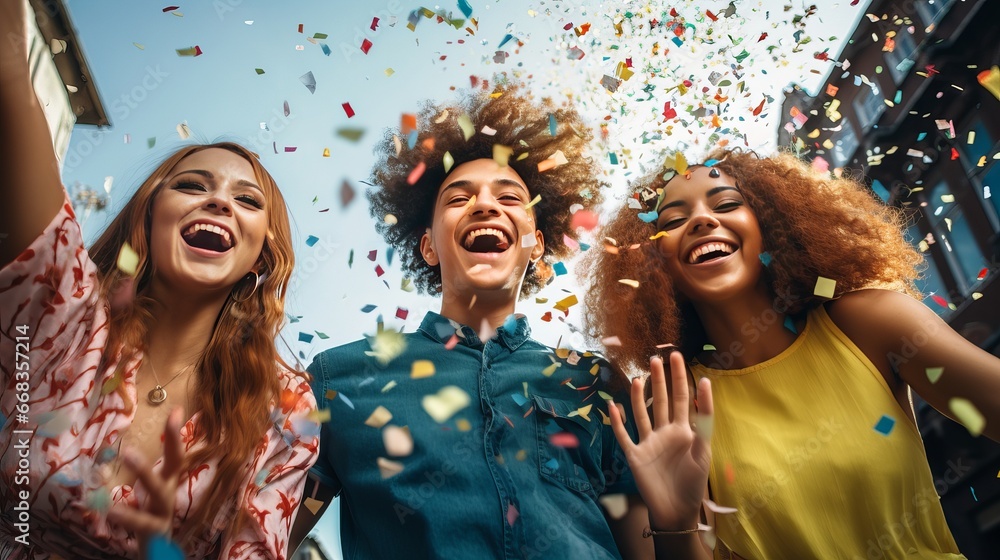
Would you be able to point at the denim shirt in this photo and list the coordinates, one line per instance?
(515, 474)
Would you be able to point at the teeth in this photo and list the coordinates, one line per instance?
(227, 240)
(469, 239)
(708, 248)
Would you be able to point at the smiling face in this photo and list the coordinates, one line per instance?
(209, 223)
(481, 235)
(712, 250)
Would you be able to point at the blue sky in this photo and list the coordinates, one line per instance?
(148, 90)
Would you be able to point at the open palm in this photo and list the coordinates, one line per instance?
(670, 462)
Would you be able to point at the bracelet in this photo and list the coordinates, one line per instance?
(647, 532)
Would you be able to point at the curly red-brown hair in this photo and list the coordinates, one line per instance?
(521, 124)
(812, 225)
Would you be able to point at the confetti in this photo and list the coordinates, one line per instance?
(348, 109)
(312, 504)
(162, 548)
(421, 369)
(465, 123)
(615, 504)
(934, 373)
(446, 403)
(885, 424)
(307, 80)
(366, 46)
(968, 415)
(825, 287)
(388, 468)
(196, 51)
(128, 260)
(379, 417)
(631, 283)
(398, 441)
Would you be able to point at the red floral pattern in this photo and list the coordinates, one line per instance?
(73, 431)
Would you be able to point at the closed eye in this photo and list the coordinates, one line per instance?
(728, 206)
(185, 185)
(671, 224)
(251, 200)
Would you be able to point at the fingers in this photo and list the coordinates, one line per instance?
(705, 403)
(173, 447)
(661, 400)
(642, 423)
(679, 388)
(618, 426)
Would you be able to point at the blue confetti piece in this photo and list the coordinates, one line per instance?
(368, 308)
(411, 139)
(305, 337)
(710, 162)
(162, 548)
(552, 124)
(899, 99)
(552, 464)
(677, 41)
(510, 324)
(885, 425)
(519, 399)
(765, 258)
(905, 65)
(311, 240)
(857, 80)
(973, 493)
(790, 325)
(346, 400)
(389, 253)
(559, 268)
(613, 157)
(648, 217)
(921, 136)
(584, 247)
(506, 38)
(326, 49)
(465, 7)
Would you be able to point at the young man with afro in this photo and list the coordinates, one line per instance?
(476, 441)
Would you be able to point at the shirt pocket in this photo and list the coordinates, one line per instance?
(569, 446)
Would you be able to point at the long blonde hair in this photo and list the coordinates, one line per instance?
(237, 381)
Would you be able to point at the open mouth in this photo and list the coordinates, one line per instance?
(208, 237)
(710, 251)
(486, 240)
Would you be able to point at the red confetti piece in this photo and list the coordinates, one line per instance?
(954, 154)
(711, 16)
(585, 219)
(402, 313)
(348, 110)
(300, 28)
(547, 317)
(762, 37)
(452, 342)
(366, 45)
(379, 271)
(170, 8)
(940, 300)
(372, 255)
(374, 26)
(982, 274)
(668, 112)
(409, 123)
(759, 108)
(290, 149)
(415, 175)
(564, 439)
(568, 26)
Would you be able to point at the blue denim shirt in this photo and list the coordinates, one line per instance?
(488, 482)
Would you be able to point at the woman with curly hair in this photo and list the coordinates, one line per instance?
(168, 320)
(506, 454)
(792, 295)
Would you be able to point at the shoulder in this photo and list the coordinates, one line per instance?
(878, 315)
(340, 358)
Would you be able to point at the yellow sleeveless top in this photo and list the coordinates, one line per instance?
(797, 452)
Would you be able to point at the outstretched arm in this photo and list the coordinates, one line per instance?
(671, 461)
(30, 191)
(897, 331)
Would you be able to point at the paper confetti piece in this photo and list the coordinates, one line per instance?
(611, 341)
(348, 109)
(311, 240)
(934, 373)
(501, 154)
(162, 548)
(443, 405)
(386, 346)
(379, 417)
(366, 46)
(421, 369)
(627, 282)
(312, 504)
(567, 302)
(194, 51)
(565, 440)
(387, 468)
(309, 81)
(825, 287)
(398, 441)
(465, 123)
(615, 504)
(968, 415)
(885, 424)
(534, 201)
(128, 260)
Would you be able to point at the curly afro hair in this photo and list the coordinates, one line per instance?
(521, 124)
(812, 225)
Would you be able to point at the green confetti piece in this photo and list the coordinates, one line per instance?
(968, 415)
(259, 71)
(825, 287)
(934, 373)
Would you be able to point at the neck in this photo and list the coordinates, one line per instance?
(745, 330)
(494, 308)
(180, 329)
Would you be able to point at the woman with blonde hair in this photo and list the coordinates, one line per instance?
(791, 294)
(169, 319)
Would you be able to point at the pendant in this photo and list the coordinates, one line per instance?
(157, 395)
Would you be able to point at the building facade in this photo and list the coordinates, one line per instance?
(907, 110)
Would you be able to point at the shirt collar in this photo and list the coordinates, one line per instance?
(512, 334)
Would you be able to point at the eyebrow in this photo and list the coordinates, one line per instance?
(500, 182)
(711, 192)
(209, 175)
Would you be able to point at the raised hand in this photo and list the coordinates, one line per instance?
(670, 462)
(155, 519)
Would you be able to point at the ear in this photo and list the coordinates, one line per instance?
(539, 249)
(427, 249)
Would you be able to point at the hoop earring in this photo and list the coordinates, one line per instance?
(255, 284)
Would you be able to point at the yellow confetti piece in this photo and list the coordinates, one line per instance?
(562, 353)
(584, 412)
(547, 372)
(386, 345)
(183, 131)
(448, 161)
(825, 287)
(111, 384)
(534, 201)
(387, 468)
(319, 416)
(501, 154)
(976, 295)
(522, 455)
(658, 235)
(389, 72)
(407, 285)
(421, 369)
(947, 198)
(388, 386)
(934, 373)
(390, 219)
(567, 302)
(442, 117)
(605, 419)
(445, 403)
(708, 348)
(595, 369)
(969, 416)
(615, 504)
(465, 123)
(463, 425)
(326, 152)
(312, 504)
(379, 417)
(627, 282)
(541, 300)
(128, 260)
(330, 394)
(140, 47)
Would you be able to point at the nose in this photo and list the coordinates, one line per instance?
(218, 205)
(485, 204)
(702, 219)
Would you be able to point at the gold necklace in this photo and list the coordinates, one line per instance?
(158, 394)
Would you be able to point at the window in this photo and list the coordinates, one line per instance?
(903, 50)
(989, 175)
(957, 243)
(932, 10)
(869, 105)
(929, 283)
(845, 143)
